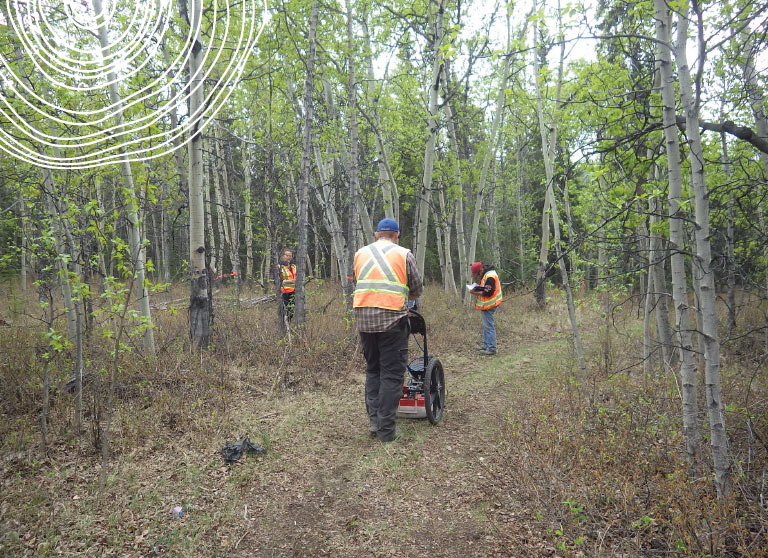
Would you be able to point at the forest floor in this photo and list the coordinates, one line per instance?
(499, 476)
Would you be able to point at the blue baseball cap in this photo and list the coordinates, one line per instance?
(388, 225)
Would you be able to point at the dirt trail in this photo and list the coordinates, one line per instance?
(328, 489)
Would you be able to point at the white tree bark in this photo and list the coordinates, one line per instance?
(703, 262)
(490, 151)
(548, 142)
(248, 220)
(761, 124)
(387, 181)
(355, 199)
(676, 238)
(138, 251)
(423, 207)
(200, 304)
(306, 154)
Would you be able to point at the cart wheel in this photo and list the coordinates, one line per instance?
(434, 390)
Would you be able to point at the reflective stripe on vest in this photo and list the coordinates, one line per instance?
(380, 270)
(488, 302)
(288, 276)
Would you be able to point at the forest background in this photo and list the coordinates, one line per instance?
(633, 179)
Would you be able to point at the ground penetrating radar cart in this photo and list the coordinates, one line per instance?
(424, 389)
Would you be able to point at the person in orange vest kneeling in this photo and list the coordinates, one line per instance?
(386, 276)
(488, 293)
(287, 271)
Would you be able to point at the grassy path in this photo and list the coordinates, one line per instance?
(325, 488)
(329, 489)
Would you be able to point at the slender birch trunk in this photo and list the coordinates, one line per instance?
(420, 247)
(458, 212)
(648, 306)
(306, 154)
(200, 301)
(548, 150)
(548, 147)
(657, 258)
(676, 238)
(519, 213)
(703, 259)
(136, 245)
(248, 220)
(387, 181)
(24, 237)
(355, 200)
(227, 207)
(729, 236)
(761, 124)
(491, 145)
(215, 247)
(449, 281)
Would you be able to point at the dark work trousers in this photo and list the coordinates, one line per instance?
(288, 302)
(386, 356)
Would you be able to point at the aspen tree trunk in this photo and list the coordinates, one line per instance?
(729, 236)
(72, 304)
(200, 302)
(344, 157)
(222, 226)
(420, 247)
(519, 213)
(49, 190)
(761, 124)
(24, 241)
(178, 152)
(676, 238)
(306, 153)
(569, 223)
(449, 281)
(100, 201)
(45, 288)
(458, 213)
(703, 263)
(248, 220)
(227, 206)
(325, 199)
(548, 146)
(387, 181)
(138, 251)
(647, 308)
(316, 270)
(656, 257)
(647, 337)
(165, 234)
(331, 220)
(215, 248)
(490, 149)
(355, 200)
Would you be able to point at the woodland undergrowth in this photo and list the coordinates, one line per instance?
(600, 467)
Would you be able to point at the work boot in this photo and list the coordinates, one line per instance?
(487, 352)
(373, 427)
(395, 437)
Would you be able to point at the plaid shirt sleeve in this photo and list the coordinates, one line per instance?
(415, 282)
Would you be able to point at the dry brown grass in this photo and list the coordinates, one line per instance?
(527, 463)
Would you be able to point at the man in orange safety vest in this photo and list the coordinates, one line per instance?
(387, 277)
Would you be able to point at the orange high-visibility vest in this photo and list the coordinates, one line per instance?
(288, 276)
(488, 302)
(380, 272)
